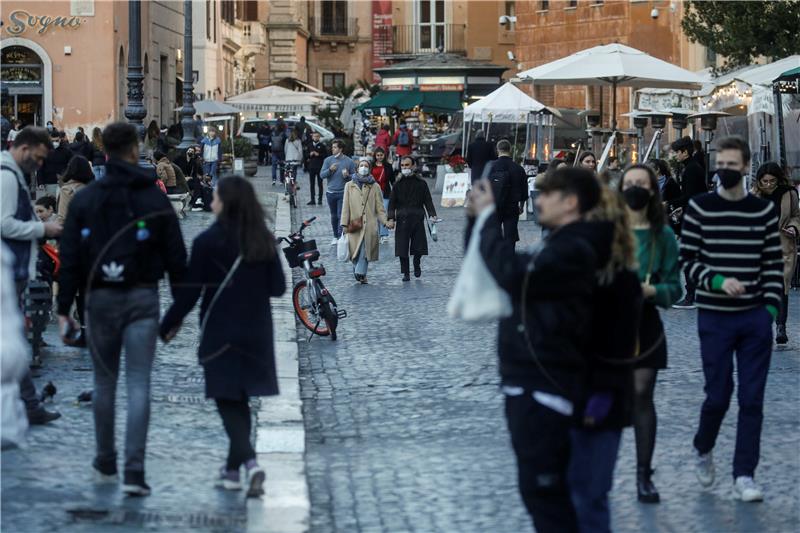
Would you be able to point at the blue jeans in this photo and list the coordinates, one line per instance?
(335, 202)
(210, 169)
(360, 263)
(590, 476)
(383, 231)
(276, 161)
(117, 318)
(749, 334)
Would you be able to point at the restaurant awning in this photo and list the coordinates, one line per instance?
(441, 101)
(436, 101)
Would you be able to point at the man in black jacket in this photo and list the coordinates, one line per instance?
(510, 189)
(317, 152)
(120, 236)
(693, 182)
(56, 163)
(479, 152)
(542, 346)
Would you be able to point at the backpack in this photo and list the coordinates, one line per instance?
(500, 179)
(402, 138)
(116, 240)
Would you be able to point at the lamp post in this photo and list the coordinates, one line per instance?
(135, 111)
(187, 110)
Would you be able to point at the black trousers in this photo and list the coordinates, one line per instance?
(263, 154)
(541, 441)
(404, 264)
(236, 419)
(784, 312)
(510, 223)
(314, 179)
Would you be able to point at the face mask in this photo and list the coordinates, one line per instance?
(636, 197)
(405, 171)
(729, 178)
(363, 171)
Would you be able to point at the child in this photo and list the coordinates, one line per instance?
(45, 208)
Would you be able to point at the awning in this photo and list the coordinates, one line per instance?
(390, 99)
(440, 102)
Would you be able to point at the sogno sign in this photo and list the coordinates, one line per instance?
(21, 21)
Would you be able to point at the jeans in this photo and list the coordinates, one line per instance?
(335, 202)
(314, 179)
(117, 318)
(360, 263)
(263, 151)
(276, 161)
(591, 475)
(235, 416)
(749, 334)
(383, 231)
(210, 169)
(540, 438)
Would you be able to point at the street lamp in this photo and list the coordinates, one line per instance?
(134, 110)
(187, 110)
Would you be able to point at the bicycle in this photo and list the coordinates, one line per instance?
(290, 181)
(313, 303)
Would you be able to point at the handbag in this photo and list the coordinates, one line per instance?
(356, 224)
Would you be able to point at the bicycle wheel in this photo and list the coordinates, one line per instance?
(305, 311)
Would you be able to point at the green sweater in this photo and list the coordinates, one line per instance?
(662, 252)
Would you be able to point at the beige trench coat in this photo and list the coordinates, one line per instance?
(789, 216)
(367, 200)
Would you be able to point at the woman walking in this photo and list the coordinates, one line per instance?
(235, 267)
(77, 175)
(657, 255)
(409, 200)
(384, 177)
(293, 149)
(362, 209)
(771, 184)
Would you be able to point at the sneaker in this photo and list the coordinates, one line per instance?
(195, 209)
(312, 202)
(384, 240)
(274, 183)
(334, 241)
(780, 335)
(684, 303)
(102, 475)
(704, 469)
(228, 479)
(745, 489)
(42, 416)
(255, 482)
(134, 484)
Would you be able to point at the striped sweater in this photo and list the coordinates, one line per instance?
(738, 239)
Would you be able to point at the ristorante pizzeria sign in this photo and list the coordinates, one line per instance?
(20, 21)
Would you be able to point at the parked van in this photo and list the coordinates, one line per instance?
(249, 128)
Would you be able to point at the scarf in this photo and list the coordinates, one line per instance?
(363, 180)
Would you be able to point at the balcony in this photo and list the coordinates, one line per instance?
(254, 38)
(410, 41)
(334, 29)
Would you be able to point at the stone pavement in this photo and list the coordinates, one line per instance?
(46, 487)
(405, 426)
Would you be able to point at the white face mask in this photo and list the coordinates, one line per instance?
(406, 171)
(363, 171)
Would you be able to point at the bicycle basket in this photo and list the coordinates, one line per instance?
(291, 252)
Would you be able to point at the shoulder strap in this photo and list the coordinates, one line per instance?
(222, 287)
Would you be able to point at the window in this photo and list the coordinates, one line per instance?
(572, 3)
(544, 5)
(208, 19)
(511, 11)
(598, 2)
(214, 17)
(431, 24)
(331, 80)
(228, 11)
(248, 10)
(334, 17)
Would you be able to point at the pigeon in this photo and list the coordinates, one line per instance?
(85, 397)
(48, 392)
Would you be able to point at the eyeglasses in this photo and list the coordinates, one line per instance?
(768, 182)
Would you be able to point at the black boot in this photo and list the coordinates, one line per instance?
(780, 334)
(417, 266)
(644, 485)
(404, 268)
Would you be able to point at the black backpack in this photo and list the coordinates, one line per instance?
(500, 178)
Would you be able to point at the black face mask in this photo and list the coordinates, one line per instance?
(636, 197)
(729, 178)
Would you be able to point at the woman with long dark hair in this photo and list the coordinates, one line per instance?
(77, 175)
(771, 184)
(657, 255)
(235, 266)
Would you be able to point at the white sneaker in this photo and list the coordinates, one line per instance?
(704, 469)
(100, 478)
(745, 489)
(334, 241)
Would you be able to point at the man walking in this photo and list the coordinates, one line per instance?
(337, 169)
(693, 182)
(479, 153)
(730, 249)
(21, 231)
(510, 188)
(121, 235)
(317, 152)
(276, 145)
(212, 155)
(264, 134)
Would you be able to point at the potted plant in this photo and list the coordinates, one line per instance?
(454, 163)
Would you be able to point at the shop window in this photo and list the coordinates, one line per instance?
(331, 80)
(334, 17)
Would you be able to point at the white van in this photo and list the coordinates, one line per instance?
(249, 128)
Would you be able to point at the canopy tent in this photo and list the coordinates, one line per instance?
(506, 104)
(276, 100)
(434, 101)
(212, 107)
(616, 65)
(788, 83)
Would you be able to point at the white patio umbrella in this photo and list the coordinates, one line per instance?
(506, 104)
(616, 65)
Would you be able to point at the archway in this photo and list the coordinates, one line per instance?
(27, 71)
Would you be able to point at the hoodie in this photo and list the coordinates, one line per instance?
(128, 193)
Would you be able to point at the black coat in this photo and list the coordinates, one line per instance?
(83, 148)
(236, 349)
(519, 185)
(479, 153)
(407, 205)
(315, 161)
(693, 182)
(55, 164)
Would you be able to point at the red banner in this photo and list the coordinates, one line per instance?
(381, 34)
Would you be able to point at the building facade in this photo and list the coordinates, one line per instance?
(549, 30)
(66, 61)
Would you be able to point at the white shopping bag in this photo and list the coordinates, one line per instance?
(476, 295)
(342, 249)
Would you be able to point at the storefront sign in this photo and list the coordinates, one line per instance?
(20, 21)
(381, 34)
(397, 87)
(442, 87)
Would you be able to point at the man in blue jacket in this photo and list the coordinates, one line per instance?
(338, 170)
(212, 155)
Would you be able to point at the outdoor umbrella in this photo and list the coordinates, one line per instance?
(614, 65)
(213, 107)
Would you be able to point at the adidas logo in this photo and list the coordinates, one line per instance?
(112, 272)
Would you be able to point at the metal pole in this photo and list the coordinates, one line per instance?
(187, 110)
(527, 137)
(779, 115)
(135, 110)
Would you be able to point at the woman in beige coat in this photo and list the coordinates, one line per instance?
(362, 209)
(771, 184)
(77, 175)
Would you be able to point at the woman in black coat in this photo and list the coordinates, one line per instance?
(670, 193)
(236, 253)
(409, 200)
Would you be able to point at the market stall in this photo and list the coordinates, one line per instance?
(274, 100)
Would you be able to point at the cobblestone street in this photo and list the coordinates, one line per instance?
(405, 427)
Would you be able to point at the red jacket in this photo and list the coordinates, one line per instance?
(403, 150)
(383, 139)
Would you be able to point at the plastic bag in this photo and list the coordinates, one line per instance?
(342, 248)
(476, 295)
